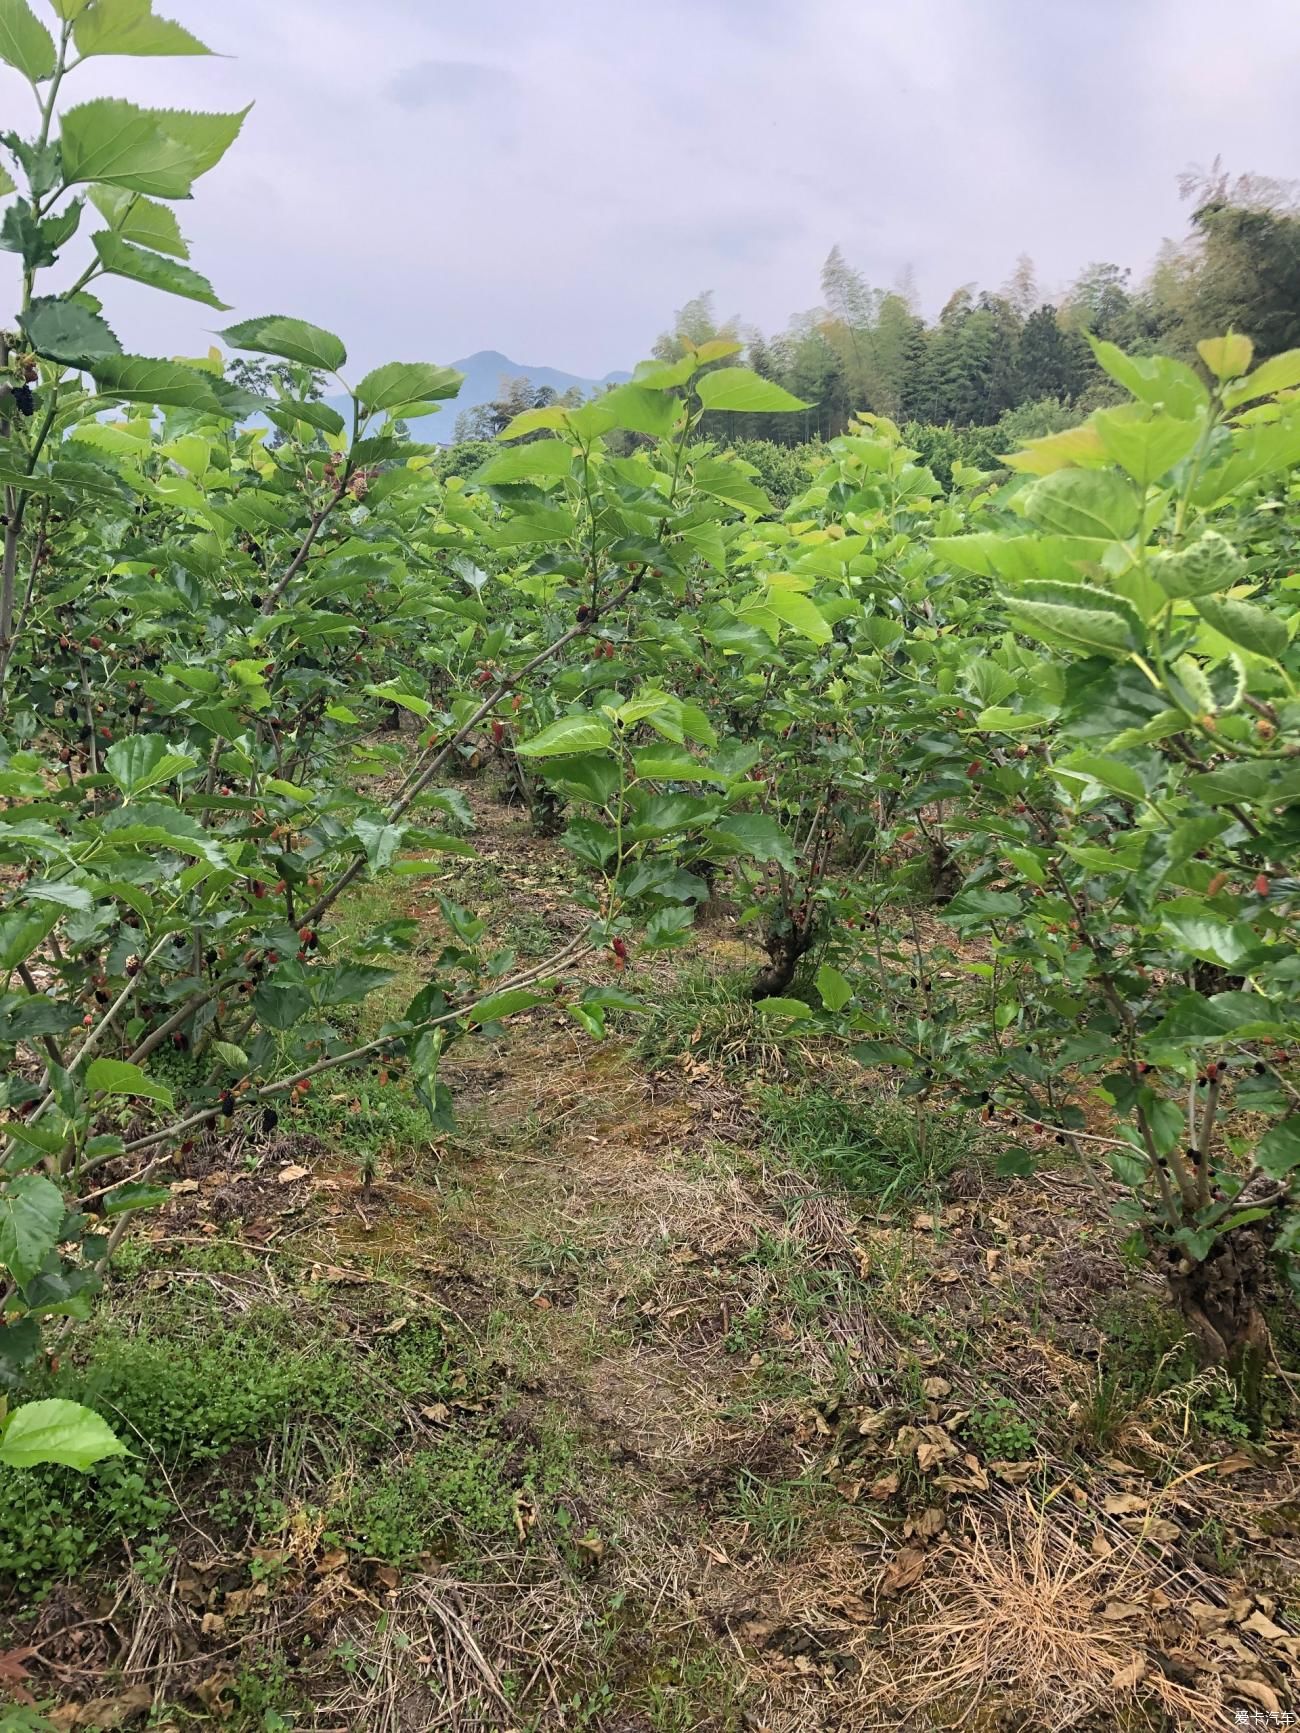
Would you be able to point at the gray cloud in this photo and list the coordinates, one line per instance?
(432, 82)
(553, 181)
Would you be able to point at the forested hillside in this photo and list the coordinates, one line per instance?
(650, 1078)
(1017, 357)
(990, 351)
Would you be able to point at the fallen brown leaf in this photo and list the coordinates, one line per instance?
(977, 1478)
(210, 1692)
(287, 1175)
(1014, 1473)
(854, 1608)
(1207, 1616)
(105, 1712)
(238, 1601)
(1254, 1692)
(525, 1514)
(869, 1425)
(1124, 1504)
(1260, 1625)
(1160, 1529)
(903, 1571)
(976, 1481)
(931, 1522)
(759, 1632)
(933, 1445)
(1130, 1674)
(13, 1672)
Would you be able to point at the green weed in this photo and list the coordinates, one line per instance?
(262, 1697)
(54, 1522)
(527, 934)
(374, 922)
(553, 1257)
(1105, 1410)
(420, 1362)
(366, 1119)
(234, 1383)
(882, 1149)
(1219, 1416)
(455, 1495)
(183, 1396)
(776, 1511)
(413, 1509)
(1001, 1432)
(805, 1290)
(694, 1688)
(1214, 1546)
(1147, 1354)
(746, 1331)
(712, 1019)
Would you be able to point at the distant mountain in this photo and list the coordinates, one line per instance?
(484, 372)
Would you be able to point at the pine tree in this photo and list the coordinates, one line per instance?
(1053, 362)
(1021, 288)
(698, 323)
(1248, 277)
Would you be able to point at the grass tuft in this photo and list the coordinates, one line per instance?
(711, 1019)
(1014, 1620)
(412, 1510)
(184, 1393)
(887, 1150)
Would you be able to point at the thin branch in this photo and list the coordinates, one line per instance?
(421, 778)
(296, 564)
(50, 1045)
(1203, 1142)
(383, 1043)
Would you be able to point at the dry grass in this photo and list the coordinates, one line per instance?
(718, 1331)
(420, 1664)
(1019, 1613)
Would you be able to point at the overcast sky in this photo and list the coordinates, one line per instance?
(432, 177)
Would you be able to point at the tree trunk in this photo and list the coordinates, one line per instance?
(784, 948)
(545, 807)
(945, 874)
(1219, 1297)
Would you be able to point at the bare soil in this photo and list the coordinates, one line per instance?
(771, 1511)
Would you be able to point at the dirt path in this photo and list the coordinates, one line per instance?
(676, 1434)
